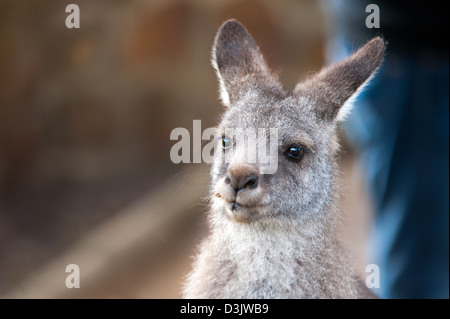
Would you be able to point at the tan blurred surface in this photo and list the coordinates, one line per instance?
(85, 119)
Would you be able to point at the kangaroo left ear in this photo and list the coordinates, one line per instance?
(237, 60)
(334, 88)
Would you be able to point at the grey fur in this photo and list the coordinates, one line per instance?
(280, 241)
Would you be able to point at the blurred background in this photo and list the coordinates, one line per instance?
(85, 119)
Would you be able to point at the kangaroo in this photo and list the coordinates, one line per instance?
(274, 235)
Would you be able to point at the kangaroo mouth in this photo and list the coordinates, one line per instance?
(240, 212)
(234, 204)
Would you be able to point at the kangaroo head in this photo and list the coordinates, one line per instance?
(305, 119)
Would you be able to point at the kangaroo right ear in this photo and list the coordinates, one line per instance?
(235, 56)
(335, 87)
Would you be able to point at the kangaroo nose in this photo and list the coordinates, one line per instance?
(242, 176)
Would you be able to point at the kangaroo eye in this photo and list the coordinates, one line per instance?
(226, 143)
(295, 152)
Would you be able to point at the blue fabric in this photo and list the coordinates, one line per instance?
(400, 129)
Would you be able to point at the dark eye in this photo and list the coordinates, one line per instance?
(226, 143)
(295, 152)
